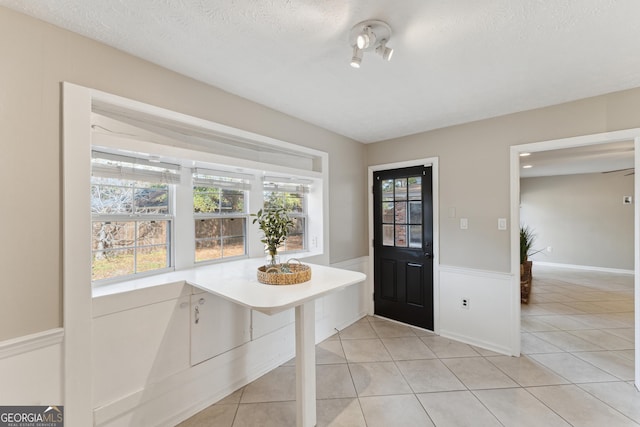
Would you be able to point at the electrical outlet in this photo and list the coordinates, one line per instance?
(465, 302)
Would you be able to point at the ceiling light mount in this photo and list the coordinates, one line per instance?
(368, 36)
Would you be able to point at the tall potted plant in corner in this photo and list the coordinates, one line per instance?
(527, 237)
(275, 224)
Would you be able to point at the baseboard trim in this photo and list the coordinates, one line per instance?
(585, 267)
(28, 343)
(477, 343)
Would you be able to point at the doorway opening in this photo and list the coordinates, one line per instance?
(581, 141)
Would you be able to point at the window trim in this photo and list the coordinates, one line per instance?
(136, 217)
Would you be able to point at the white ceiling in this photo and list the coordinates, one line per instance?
(454, 61)
(615, 156)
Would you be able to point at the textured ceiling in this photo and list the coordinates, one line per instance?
(454, 61)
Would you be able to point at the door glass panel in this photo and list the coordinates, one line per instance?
(401, 212)
(415, 188)
(401, 236)
(387, 235)
(402, 206)
(415, 236)
(387, 212)
(415, 212)
(401, 189)
(387, 190)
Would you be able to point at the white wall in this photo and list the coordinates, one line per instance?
(31, 369)
(581, 218)
(483, 322)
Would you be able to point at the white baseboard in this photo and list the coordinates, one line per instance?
(476, 342)
(585, 267)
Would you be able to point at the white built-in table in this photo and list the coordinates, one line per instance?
(237, 282)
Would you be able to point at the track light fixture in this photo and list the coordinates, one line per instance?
(356, 59)
(384, 51)
(366, 38)
(371, 35)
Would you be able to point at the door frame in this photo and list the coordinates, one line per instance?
(578, 141)
(433, 162)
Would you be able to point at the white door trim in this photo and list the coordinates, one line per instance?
(578, 141)
(433, 162)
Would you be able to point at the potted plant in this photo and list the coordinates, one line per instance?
(275, 223)
(527, 238)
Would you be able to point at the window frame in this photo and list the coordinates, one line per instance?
(197, 216)
(136, 218)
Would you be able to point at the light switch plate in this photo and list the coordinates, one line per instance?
(502, 223)
(464, 223)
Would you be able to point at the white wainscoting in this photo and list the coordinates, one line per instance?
(31, 369)
(141, 369)
(489, 320)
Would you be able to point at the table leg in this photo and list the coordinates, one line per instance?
(306, 365)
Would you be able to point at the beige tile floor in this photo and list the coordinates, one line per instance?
(576, 369)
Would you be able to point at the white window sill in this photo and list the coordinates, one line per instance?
(173, 277)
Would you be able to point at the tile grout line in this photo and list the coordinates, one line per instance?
(352, 380)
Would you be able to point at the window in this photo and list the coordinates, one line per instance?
(292, 195)
(220, 215)
(126, 139)
(132, 214)
(402, 212)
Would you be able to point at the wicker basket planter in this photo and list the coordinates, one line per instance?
(525, 281)
(284, 274)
